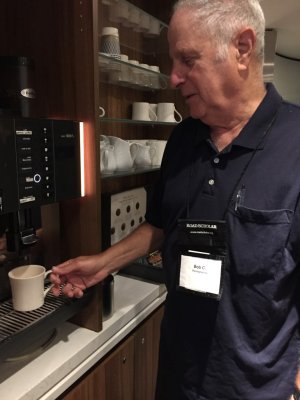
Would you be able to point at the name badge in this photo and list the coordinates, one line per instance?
(200, 274)
(202, 251)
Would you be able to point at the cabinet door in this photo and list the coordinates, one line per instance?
(90, 387)
(143, 361)
(146, 346)
(156, 320)
(119, 372)
(111, 379)
(129, 372)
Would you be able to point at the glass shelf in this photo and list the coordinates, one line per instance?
(135, 122)
(134, 24)
(133, 171)
(123, 73)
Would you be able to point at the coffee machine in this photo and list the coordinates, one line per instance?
(41, 164)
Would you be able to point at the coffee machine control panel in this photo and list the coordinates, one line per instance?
(35, 173)
(40, 162)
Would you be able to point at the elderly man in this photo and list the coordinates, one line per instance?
(231, 234)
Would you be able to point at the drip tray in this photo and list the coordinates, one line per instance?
(33, 327)
(35, 349)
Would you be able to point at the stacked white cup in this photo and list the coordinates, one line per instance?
(141, 111)
(122, 75)
(166, 112)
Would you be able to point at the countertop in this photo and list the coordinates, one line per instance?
(74, 350)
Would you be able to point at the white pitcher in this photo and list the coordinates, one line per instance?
(125, 153)
(144, 155)
(159, 147)
(108, 162)
(104, 140)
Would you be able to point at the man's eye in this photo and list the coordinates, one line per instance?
(189, 61)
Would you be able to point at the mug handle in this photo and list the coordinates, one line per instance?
(152, 114)
(46, 291)
(106, 157)
(133, 147)
(101, 112)
(179, 115)
(163, 83)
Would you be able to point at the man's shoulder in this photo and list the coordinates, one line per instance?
(289, 120)
(293, 109)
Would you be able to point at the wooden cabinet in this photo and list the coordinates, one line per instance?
(112, 379)
(62, 37)
(143, 356)
(128, 372)
(117, 99)
(146, 356)
(119, 372)
(91, 386)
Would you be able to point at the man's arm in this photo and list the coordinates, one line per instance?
(79, 273)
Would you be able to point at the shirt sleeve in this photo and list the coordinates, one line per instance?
(183, 132)
(153, 211)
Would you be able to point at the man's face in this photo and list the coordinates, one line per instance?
(207, 85)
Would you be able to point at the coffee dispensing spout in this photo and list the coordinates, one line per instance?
(21, 231)
(17, 240)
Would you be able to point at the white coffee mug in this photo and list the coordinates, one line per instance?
(122, 76)
(144, 23)
(154, 28)
(119, 12)
(134, 76)
(158, 147)
(28, 286)
(144, 75)
(133, 19)
(154, 76)
(141, 111)
(166, 112)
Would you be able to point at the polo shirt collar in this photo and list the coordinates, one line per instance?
(252, 133)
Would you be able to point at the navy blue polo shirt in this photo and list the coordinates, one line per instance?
(244, 347)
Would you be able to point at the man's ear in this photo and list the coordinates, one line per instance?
(245, 43)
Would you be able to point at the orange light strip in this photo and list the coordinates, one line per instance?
(82, 176)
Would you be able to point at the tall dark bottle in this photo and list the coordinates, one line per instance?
(17, 90)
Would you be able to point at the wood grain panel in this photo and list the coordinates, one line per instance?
(62, 36)
(59, 36)
(118, 100)
(143, 356)
(119, 372)
(91, 386)
(156, 323)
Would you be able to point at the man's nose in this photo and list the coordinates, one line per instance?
(176, 77)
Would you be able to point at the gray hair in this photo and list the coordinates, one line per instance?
(222, 19)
